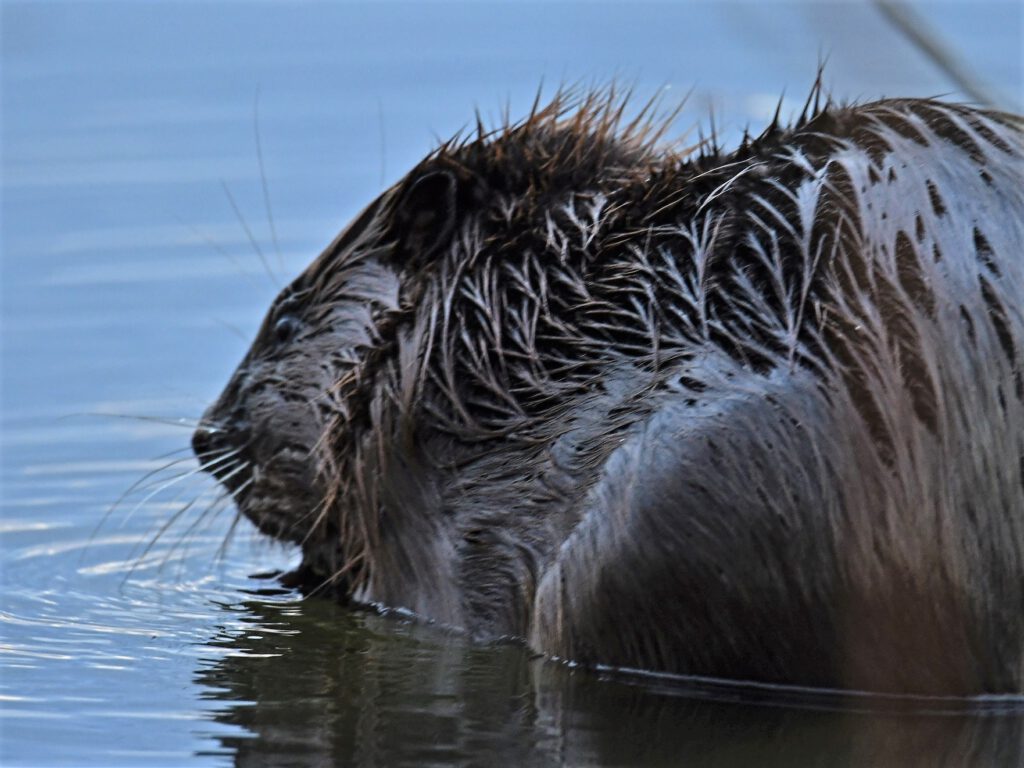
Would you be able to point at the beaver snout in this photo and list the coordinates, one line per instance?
(217, 450)
(208, 442)
(264, 461)
(218, 438)
(264, 430)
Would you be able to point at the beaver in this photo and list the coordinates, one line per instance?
(754, 415)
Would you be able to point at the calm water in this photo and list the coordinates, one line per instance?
(135, 633)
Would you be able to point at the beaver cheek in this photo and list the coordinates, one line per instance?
(280, 425)
(282, 449)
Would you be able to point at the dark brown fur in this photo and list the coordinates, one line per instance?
(756, 415)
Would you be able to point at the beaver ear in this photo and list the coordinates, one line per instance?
(425, 215)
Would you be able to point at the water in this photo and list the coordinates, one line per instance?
(130, 288)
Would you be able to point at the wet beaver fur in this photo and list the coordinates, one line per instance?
(756, 415)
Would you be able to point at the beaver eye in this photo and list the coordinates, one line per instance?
(286, 328)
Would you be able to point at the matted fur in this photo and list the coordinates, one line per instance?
(755, 415)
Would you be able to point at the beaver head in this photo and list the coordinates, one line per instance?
(261, 438)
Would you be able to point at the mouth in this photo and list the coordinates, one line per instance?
(276, 491)
(281, 497)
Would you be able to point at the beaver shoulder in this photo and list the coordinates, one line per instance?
(755, 415)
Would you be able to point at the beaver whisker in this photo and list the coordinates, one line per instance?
(219, 456)
(208, 515)
(139, 484)
(237, 493)
(171, 422)
(226, 542)
(155, 485)
(143, 482)
(233, 468)
(212, 509)
(248, 232)
(162, 485)
(161, 530)
(178, 514)
(263, 179)
(211, 427)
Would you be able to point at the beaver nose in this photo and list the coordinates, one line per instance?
(207, 442)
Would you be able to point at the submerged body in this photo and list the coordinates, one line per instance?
(756, 415)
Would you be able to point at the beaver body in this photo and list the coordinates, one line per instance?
(756, 415)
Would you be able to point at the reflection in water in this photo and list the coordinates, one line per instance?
(317, 684)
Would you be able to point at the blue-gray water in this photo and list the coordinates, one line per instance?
(130, 288)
